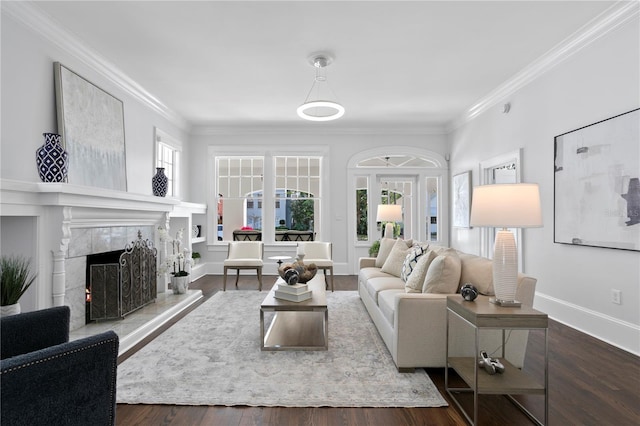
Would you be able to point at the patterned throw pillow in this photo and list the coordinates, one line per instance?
(412, 259)
(415, 282)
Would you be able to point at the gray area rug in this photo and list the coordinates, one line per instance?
(213, 357)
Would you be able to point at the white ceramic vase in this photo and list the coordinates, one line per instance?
(179, 285)
(7, 310)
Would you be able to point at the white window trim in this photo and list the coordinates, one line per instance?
(419, 173)
(268, 235)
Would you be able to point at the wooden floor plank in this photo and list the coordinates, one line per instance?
(591, 383)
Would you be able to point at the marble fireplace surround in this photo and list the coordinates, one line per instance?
(73, 221)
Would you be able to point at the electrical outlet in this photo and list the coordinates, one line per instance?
(616, 296)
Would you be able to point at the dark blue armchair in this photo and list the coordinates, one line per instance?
(47, 380)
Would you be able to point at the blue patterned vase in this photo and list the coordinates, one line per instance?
(52, 160)
(159, 183)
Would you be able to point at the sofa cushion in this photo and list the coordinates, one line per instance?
(416, 280)
(395, 260)
(477, 271)
(386, 303)
(411, 259)
(376, 285)
(443, 275)
(368, 273)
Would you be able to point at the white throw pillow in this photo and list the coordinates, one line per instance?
(443, 275)
(415, 281)
(411, 259)
(478, 271)
(386, 244)
(393, 264)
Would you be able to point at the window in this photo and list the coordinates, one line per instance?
(240, 190)
(398, 191)
(288, 186)
(362, 210)
(431, 197)
(410, 177)
(297, 193)
(168, 156)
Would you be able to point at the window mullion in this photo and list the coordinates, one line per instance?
(268, 197)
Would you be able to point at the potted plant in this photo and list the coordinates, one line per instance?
(16, 277)
(176, 262)
(195, 256)
(374, 249)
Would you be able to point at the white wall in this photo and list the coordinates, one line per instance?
(29, 109)
(340, 147)
(574, 283)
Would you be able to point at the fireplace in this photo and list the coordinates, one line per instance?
(60, 224)
(120, 282)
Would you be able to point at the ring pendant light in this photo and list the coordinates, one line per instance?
(318, 105)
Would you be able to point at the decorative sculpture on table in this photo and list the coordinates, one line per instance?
(305, 272)
(291, 276)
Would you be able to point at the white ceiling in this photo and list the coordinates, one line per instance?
(397, 64)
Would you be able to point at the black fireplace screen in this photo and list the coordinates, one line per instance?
(117, 289)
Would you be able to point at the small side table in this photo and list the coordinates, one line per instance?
(279, 259)
(481, 314)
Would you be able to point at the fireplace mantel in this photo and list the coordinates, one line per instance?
(21, 193)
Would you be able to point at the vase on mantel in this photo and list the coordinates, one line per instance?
(159, 183)
(179, 284)
(52, 160)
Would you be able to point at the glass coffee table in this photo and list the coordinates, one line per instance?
(295, 326)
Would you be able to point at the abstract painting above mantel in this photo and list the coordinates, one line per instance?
(597, 184)
(91, 123)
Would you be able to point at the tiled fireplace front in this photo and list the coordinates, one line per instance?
(86, 241)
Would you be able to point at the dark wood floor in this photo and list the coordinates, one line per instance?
(591, 383)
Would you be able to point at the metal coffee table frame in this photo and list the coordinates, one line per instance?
(296, 326)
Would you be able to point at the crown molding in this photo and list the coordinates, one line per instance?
(37, 21)
(204, 129)
(615, 16)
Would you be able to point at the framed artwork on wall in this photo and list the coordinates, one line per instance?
(91, 123)
(597, 184)
(461, 199)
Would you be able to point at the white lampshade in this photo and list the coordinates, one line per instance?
(506, 206)
(389, 213)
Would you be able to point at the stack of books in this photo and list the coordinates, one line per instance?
(292, 293)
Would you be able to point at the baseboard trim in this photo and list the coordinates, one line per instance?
(616, 332)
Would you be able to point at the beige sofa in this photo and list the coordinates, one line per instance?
(413, 324)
